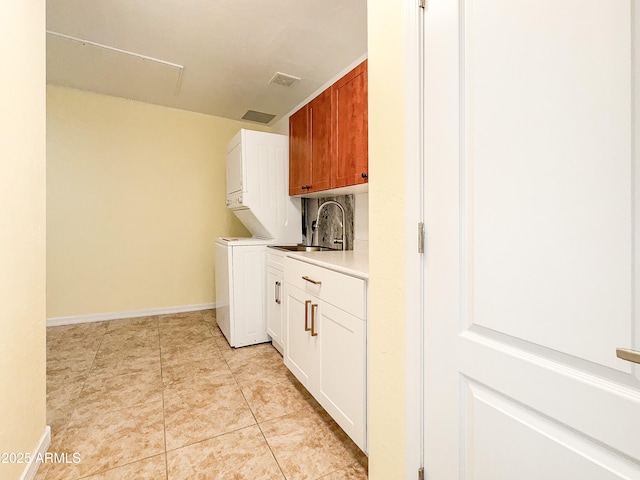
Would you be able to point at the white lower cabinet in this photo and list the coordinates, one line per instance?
(275, 295)
(340, 381)
(326, 345)
(274, 305)
(300, 350)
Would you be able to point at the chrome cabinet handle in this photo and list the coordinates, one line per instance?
(623, 353)
(277, 293)
(315, 282)
(314, 308)
(306, 315)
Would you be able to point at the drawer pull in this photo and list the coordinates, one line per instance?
(306, 315)
(315, 282)
(314, 309)
(623, 353)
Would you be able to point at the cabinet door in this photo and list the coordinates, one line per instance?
(299, 152)
(274, 305)
(340, 372)
(300, 349)
(350, 129)
(321, 132)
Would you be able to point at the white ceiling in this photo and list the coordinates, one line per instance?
(209, 56)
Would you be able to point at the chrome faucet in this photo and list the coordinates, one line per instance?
(315, 224)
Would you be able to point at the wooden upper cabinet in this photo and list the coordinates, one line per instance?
(320, 131)
(350, 129)
(299, 152)
(328, 137)
(310, 152)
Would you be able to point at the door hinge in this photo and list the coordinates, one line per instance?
(420, 237)
(422, 3)
(421, 473)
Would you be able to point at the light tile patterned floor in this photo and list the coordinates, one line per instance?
(165, 397)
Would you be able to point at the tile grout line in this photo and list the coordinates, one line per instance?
(209, 438)
(95, 355)
(259, 427)
(271, 450)
(117, 466)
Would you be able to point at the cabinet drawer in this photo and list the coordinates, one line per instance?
(275, 259)
(342, 291)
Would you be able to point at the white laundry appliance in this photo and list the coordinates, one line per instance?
(257, 192)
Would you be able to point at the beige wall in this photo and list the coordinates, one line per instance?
(22, 230)
(388, 414)
(135, 201)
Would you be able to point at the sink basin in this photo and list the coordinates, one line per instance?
(302, 248)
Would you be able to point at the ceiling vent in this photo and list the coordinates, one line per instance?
(284, 79)
(259, 117)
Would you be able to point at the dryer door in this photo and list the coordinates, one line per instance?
(235, 180)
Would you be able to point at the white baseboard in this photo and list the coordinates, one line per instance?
(101, 317)
(32, 467)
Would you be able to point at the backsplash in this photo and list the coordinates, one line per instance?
(329, 227)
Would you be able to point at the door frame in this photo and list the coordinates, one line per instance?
(411, 190)
(414, 216)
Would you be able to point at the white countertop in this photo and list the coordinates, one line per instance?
(350, 262)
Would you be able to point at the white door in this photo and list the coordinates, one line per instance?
(531, 268)
(234, 169)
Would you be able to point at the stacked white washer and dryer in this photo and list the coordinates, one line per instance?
(257, 192)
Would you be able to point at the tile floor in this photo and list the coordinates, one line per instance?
(165, 397)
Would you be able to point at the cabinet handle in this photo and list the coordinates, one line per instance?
(306, 315)
(315, 282)
(314, 308)
(277, 293)
(364, 175)
(623, 353)
(306, 187)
